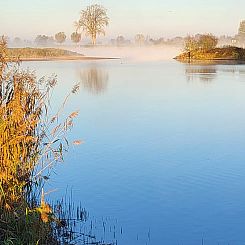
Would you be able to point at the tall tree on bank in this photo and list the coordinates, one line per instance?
(93, 20)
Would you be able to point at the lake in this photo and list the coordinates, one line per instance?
(164, 155)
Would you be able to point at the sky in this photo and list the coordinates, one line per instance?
(156, 18)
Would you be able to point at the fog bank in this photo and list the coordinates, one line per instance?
(132, 54)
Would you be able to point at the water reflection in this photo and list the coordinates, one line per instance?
(234, 70)
(205, 74)
(94, 79)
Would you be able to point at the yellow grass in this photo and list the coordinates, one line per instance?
(30, 143)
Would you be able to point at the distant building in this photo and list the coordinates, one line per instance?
(241, 31)
(241, 34)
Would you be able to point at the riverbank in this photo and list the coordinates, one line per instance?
(48, 54)
(67, 58)
(216, 54)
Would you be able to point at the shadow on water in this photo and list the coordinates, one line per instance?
(94, 79)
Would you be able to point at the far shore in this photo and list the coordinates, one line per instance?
(221, 54)
(50, 54)
(68, 58)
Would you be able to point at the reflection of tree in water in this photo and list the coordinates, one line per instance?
(94, 79)
(234, 70)
(204, 73)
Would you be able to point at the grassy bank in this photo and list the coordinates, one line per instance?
(215, 54)
(40, 53)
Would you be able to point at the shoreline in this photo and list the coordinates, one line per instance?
(221, 54)
(211, 61)
(69, 58)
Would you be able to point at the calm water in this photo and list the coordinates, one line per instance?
(164, 152)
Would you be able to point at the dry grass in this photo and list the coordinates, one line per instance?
(39, 53)
(30, 143)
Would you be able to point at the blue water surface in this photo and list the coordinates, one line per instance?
(164, 151)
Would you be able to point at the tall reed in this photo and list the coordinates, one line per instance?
(30, 143)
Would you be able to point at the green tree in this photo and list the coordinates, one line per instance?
(76, 37)
(60, 37)
(92, 21)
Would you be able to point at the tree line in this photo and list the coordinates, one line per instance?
(92, 22)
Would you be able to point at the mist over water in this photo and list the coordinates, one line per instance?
(132, 54)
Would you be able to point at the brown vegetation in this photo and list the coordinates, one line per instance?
(30, 143)
(34, 53)
(225, 53)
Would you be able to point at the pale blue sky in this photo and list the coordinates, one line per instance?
(166, 18)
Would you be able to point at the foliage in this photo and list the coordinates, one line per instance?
(204, 42)
(207, 41)
(92, 21)
(17, 41)
(60, 37)
(31, 142)
(225, 53)
(76, 37)
(43, 40)
(190, 44)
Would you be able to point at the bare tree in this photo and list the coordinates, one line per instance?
(93, 21)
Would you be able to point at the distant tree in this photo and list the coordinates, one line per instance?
(17, 41)
(76, 37)
(60, 37)
(92, 21)
(41, 40)
(120, 40)
(139, 39)
(191, 44)
(51, 40)
(207, 41)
